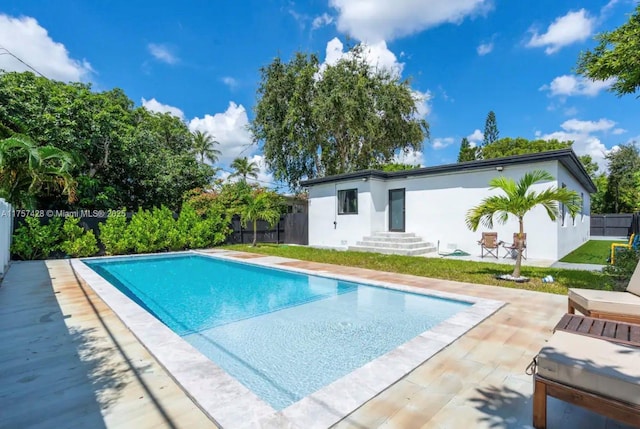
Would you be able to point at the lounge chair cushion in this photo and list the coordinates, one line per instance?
(592, 364)
(606, 301)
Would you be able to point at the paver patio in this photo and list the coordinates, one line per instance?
(68, 361)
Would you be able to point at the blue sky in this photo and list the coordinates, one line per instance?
(200, 60)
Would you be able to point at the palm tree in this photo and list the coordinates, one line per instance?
(27, 170)
(203, 145)
(518, 201)
(243, 168)
(261, 205)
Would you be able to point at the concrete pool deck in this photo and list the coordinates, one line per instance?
(67, 358)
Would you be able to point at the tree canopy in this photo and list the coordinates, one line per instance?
(315, 120)
(616, 56)
(519, 146)
(467, 153)
(491, 132)
(124, 156)
(623, 184)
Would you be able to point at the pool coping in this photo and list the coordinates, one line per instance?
(231, 405)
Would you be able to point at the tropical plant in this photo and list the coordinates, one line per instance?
(27, 170)
(518, 200)
(204, 147)
(34, 240)
(114, 235)
(76, 241)
(263, 205)
(244, 168)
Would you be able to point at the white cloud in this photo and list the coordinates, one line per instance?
(484, 48)
(575, 125)
(570, 111)
(229, 128)
(571, 85)
(618, 131)
(475, 138)
(411, 157)
(376, 20)
(230, 82)
(441, 143)
(376, 54)
(30, 42)
(155, 106)
(565, 30)
(583, 144)
(321, 21)
(422, 103)
(162, 53)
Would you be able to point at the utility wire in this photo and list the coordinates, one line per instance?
(8, 52)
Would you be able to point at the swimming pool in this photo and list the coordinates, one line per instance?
(328, 295)
(284, 335)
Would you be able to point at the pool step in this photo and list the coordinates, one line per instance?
(397, 243)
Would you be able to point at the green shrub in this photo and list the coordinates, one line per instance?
(620, 273)
(114, 235)
(36, 241)
(152, 231)
(76, 241)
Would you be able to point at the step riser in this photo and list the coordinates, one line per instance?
(405, 252)
(393, 239)
(394, 234)
(390, 245)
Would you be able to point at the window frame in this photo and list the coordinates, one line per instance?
(345, 205)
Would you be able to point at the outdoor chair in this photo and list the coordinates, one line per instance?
(512, 248)
(489, 244)
(597, 374)
(633, 243)
(605, 304)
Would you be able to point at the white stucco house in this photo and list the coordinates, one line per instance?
(365, 207)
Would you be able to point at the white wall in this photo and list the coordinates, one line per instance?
(436, 206)
(6, 228)
(575, 231)
(348, 228)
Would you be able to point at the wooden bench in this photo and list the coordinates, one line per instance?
(619, 332)
(592, 356)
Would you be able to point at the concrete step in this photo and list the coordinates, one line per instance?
(393, 245)
(391, 251)
(393, 234)
(393, 239)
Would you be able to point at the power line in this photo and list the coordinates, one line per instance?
(8, 52)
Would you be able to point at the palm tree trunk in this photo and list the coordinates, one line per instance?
(255, 232)
(519, 243)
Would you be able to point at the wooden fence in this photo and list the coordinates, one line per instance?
(614, 225)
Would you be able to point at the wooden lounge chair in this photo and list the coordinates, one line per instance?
(512, 248)
(489, 244)
(615, 246)
(605, 304)
(593, 373)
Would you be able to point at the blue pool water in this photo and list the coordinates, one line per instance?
(284, 335)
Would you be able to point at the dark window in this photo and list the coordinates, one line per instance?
(348, 201)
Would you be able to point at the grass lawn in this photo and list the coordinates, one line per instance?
(591, 252)
(440, 268)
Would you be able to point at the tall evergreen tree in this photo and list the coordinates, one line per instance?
(491, 132)
(467, 153)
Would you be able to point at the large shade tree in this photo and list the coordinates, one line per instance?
(617, 56)
(317, 120)
(517, 200)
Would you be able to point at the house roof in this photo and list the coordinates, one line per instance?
(566, 157)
